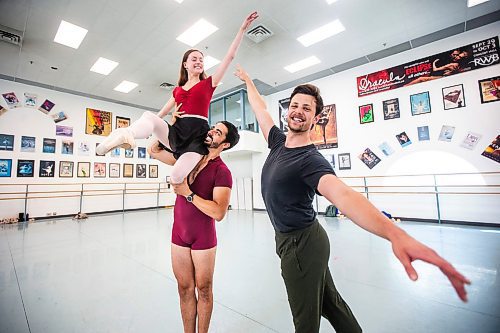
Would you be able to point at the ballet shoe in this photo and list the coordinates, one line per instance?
(121, 137)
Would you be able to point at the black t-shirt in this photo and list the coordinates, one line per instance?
(289, 180)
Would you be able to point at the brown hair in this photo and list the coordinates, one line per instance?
(311, 90)
(183, 75)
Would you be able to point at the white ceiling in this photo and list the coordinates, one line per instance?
(141, 36)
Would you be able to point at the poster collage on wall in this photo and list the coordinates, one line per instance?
(97, 123)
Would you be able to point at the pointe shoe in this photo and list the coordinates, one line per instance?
(121, 137)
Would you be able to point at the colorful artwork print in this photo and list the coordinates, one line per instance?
(99, 169)
(420, 103)
(141, 152)
(470, 141)
(30, 100)
(446, 133)
(59, 116)
(47, 169)
(66, 169)
(64, 130)
(67, 147)
(344, 161)
(493, 150)
(391, 109)
(423, 133)
(49, 146)
(369, 158)
(366, 114)
(11, 100)
(122, 122)
(489, 89)
(324, 133)
(98, 122)
(5, 167)
(46, 106)
(25, 168)
(6, 142)
(403, 139)
(453, 97)
(28, 143)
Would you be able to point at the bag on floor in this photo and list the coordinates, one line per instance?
(331, 211)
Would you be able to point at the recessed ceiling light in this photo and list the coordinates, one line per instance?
(70, 35)
(197, 32)
(472, 3)
(331, 1)
(321, 33)
(126, 86)
(209, 62)
(302, 64)
(103, 66)
(179, 1)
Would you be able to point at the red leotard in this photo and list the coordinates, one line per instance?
(196, 100)
(192, 228)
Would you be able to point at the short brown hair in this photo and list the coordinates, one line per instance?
(311, 90)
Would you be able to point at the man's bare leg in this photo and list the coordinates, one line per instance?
(204, 264)
(182, 265)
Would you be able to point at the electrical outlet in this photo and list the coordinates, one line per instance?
(54, 213)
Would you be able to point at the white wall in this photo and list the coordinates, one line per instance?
(420, 157)
(32, 122)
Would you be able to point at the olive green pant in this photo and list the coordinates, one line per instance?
(311, 292)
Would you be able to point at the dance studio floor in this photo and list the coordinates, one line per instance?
(112, 273)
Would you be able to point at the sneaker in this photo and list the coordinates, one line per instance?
(121, 137)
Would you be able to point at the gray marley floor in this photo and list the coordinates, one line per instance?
(112, 273)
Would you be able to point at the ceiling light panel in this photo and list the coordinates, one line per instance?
(70, 35)
(472, 3)
(197, 32)
(103, 66)
(209, 62)
(302, 64)
(321, 33)
(126, 86)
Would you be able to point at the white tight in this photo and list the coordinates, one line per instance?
(149, 123)
(184, 165)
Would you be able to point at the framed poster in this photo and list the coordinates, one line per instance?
(345, 161)
(403, 139)
(66, 169)
(49, 146)
(83, 169)
(489, 89)
(140, 171)
(47, 169)
(122, 122)
(366, 114)
(67, 147)
(283, 105)
(391, 109)
(128, 170)
(386, 148)
(6, 142)
(25, 168)
(84, 149)
(423, 133)
(114, 170)
(369, 158)
(62, 130)
(153, 171)
(46, 106)
(141, 152)
(129, 153)
(59, 116)
(99, 170)
(28, 143)
(453, 97)
(446, 133)
(30, 100)
(420, 103)
(5, 167)
(98, 122)
(11, 100)
(324, 133)
(471, 140)
(493, 150)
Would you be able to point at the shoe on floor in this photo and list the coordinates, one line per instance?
(121, 137)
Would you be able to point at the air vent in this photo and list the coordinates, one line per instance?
(167, 86)
(11, 35)
(259, 33)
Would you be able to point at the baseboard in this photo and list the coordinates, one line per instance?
(98, 213)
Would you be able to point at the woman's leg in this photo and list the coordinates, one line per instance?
(184, 165)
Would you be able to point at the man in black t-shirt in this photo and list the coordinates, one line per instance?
(293, 172)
